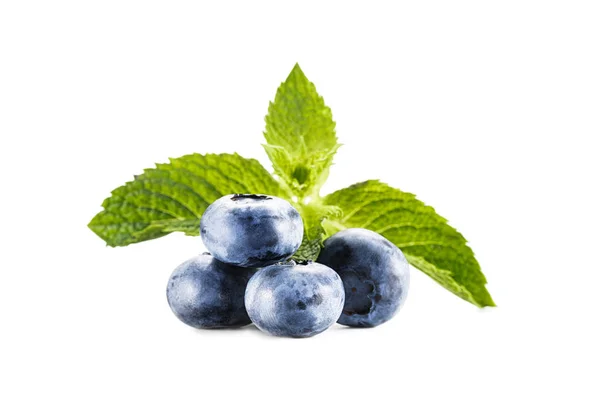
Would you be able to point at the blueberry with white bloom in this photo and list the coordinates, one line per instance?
(295, 300)
(375, 275)
(206, 293)
(250, 230)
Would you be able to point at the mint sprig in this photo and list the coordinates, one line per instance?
(301, 143)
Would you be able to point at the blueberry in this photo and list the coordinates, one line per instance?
(251, 230)
(375, 275)
(295, 300)
(206, 293)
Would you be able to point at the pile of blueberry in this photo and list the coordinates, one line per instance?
(360, 278)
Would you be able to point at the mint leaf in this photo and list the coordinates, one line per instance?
(313, 215)
(300, 134)
(425, 238)
(173, 196)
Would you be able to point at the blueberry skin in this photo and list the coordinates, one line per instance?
(251, 230)
(375, 273)
(206, 293)
(295, 300)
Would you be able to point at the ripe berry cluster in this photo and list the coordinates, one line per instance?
(360, 278)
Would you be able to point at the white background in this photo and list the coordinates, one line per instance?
(489, 111)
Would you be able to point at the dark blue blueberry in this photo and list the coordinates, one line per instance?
(251, 230)
(295, 300)
(375, 275)
(206, 293)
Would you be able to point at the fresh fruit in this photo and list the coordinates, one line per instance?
(206, 293)
(375, 275)
(295, 300)
(251, 230)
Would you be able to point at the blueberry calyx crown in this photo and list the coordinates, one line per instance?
(240, 196)
(304, 262)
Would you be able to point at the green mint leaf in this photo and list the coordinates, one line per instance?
(173, 196)
(313, 215)
(300, 134)
(425, 238)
